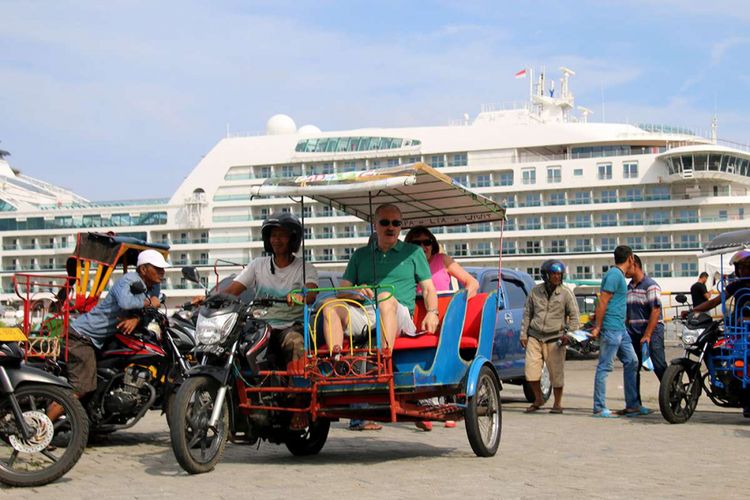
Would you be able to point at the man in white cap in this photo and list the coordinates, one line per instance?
(90, 331)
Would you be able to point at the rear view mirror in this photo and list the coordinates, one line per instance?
(137, 287)
(681, 298)
(191, 274)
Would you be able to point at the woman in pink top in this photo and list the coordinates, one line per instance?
(441, 265)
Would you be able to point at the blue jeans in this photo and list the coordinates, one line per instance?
(616, 342)
(656, 351)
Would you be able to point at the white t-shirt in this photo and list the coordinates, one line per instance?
(257, 275)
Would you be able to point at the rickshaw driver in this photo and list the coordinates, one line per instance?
(90, 331)
(741, 262)
(402, 265)
(276, 276)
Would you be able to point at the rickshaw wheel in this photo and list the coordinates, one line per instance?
(484, 415)
(310, 440)
(675, 403)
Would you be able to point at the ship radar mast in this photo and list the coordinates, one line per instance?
(549, 106)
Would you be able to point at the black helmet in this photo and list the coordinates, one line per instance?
(288, 222)
(552, 266)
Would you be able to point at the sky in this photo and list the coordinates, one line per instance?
(121, 99)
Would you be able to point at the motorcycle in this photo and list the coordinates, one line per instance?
(27, 457)
(704, 367)
(579, 347)
(136, 372)
(233, 348)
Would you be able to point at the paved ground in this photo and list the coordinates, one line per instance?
(541, 455)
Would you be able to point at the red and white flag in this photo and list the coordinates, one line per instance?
(521, 74)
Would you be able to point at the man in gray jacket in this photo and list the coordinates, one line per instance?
(550, 309)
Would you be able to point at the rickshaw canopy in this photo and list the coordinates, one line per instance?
(728, 242)
(425, 195)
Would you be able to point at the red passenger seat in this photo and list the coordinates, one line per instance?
(428, 339)
(473, 321)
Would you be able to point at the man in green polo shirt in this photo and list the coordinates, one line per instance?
(395, 263)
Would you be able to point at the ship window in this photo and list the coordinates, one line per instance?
(483, 180)
(662, 270)
(630, 170)
(557, 246)
(608, 244)
(658, 193)
(533, 247)
(605, 171)
(554, 175)
(661, 242)
(506, 178)
(582, 198)
(460, 249)
(583, 273)
(437, 161)
(701, 162)
(6, 207)
(528, 175)
(458, 160)
(557, 199)
(688, 269)
(714, 160)
(556, 222)
(634, 242)
(582, 245)
(608, 220)
(535, 273)
(483, 248)
(578, 172)
(509, 247)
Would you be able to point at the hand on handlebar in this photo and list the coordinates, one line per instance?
(198, 300)
(294, 299)
(153, 302)
(127, 326)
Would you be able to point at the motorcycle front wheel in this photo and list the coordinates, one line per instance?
(36, 461)
(679, 391)
(197, 447)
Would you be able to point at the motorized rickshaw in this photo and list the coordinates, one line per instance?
(437, 376)
(716, 352)
(89, 270)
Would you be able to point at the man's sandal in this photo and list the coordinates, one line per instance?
(531, 409)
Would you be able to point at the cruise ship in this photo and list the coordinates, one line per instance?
(574, 189)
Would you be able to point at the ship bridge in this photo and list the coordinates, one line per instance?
(707, 162)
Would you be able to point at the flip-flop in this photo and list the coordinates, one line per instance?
(532, 408)
(605, 413)
(365, 426)
(556, 411)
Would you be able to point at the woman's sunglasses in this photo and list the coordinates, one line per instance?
(422, 243)
(386, 223)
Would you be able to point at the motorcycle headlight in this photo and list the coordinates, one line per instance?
(215, 329)
(154, 328)
(690, 336)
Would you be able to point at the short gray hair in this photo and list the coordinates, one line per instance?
(387, 206)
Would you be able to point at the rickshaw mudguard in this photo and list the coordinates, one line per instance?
(473, 376)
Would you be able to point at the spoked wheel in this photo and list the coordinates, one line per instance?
(546, 384)
(484, 415)
(679, 391)
(197, 447)
(310, 440)
(36, 461)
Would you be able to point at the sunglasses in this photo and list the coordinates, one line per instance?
(422, 243)
(386, 223)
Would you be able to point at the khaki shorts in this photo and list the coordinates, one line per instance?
(538, 353)
(359, 320)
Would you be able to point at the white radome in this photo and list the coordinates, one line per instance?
(308, 130)
(280, 125)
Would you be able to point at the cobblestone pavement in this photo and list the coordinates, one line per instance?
(541, 455)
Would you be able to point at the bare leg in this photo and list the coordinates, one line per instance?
(558, 392)
(388, 319)
(334, 319)
(536, 388)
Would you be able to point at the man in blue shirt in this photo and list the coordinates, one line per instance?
(644, 320)
(610, 322)
(90, 331)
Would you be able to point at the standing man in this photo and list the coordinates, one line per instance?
(644, 321)
(550, 309)
(698, 291)
(615, 341)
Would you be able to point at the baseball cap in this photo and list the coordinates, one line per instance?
(154, 258)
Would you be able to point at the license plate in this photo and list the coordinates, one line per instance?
(12, 335)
